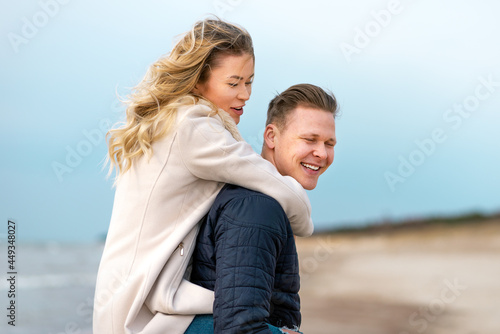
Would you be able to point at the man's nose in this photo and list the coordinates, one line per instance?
(320, 151)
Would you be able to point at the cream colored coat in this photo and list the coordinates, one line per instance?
(141, 286)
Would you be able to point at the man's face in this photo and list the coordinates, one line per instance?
(304, 149)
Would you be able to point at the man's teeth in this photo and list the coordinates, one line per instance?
(237, 108)
(310, 166)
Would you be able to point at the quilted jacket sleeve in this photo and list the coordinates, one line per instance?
(247, 245)
(210, 152)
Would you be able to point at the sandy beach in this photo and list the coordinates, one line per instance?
(430, 279)
(433, 279)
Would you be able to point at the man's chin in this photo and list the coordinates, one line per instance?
(309, 184)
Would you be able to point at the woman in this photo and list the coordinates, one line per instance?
(179, 146)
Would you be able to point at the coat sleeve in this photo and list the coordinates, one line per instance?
(210, 152)
(249, 235)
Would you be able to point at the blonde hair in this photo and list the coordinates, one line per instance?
(168, 85)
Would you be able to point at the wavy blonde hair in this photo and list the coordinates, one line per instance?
(168, 84)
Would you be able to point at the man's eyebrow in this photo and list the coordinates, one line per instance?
(315, 135)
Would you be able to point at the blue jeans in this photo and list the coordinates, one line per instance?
(204, 324)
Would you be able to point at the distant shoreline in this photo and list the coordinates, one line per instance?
(409, 224)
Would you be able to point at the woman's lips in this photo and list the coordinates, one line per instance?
(237, 110)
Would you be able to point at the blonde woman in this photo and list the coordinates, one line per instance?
(179, 146)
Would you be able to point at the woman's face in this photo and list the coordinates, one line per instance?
(230, 84)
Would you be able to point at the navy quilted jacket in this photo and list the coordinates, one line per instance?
(246, 253)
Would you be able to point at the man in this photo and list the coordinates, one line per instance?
(245, 250)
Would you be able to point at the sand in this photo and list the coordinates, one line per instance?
(434, 280)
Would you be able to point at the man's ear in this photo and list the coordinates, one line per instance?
(270, 134)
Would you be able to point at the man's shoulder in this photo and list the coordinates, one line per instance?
(246, 205)
(234, 193)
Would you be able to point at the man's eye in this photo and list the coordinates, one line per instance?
(331, 143)
(249, 83)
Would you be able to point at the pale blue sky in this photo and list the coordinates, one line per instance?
(62, 64)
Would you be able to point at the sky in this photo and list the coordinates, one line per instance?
(418, 84)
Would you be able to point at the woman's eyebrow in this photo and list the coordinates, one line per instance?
(238, 77)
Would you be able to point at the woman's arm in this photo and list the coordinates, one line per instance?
(210, 152)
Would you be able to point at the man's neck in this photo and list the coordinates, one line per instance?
(266, 154)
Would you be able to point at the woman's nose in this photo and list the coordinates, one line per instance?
(244, 93)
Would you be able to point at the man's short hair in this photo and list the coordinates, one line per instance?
(301, 95)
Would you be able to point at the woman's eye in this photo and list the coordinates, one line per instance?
(233, 84)
(249, 83)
